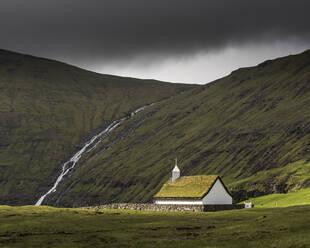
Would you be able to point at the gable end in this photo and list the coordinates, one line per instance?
(218, 178)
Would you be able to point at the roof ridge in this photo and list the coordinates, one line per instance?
(201, 175)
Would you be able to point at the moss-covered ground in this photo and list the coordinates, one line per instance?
(51, 227)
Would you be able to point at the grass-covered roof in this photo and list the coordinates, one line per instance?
(187, 186)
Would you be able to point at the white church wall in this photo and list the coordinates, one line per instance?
(181, 202)
(217, 195)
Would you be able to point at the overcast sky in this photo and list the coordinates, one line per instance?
(190, 41)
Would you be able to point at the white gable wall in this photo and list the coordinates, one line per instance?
(217, 195)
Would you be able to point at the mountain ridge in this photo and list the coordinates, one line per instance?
(35, 57)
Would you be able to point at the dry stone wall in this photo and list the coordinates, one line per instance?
(168, 207)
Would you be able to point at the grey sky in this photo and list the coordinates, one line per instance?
(173, 40)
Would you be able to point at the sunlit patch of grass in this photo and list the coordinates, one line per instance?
(300, 197)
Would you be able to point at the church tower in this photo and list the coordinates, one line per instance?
(175, 172)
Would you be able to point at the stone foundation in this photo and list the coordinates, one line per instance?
(172, 207)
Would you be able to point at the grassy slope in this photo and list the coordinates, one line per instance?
(251, 127)
(51, 227)
(48, 108)
(300, 197)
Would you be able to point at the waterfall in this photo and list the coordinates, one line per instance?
(87, 147)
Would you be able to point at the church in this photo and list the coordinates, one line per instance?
(193, 190)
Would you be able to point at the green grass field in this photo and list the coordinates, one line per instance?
(301, 197)
(30, 226)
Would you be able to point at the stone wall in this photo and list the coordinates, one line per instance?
(213, 208)
(172, 207)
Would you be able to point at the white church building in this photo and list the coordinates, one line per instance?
(193, 190)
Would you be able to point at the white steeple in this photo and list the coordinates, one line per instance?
(176, 171)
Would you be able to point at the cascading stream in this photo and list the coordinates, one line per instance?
(87, 147)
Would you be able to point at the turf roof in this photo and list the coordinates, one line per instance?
(187, 186)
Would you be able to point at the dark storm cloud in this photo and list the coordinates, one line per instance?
(103, 30)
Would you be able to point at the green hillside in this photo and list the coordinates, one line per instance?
(252, 128)
(48, 109)
(53, 227)
(300, 197)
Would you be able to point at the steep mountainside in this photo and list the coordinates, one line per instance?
(48, 109)
(251, 127)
